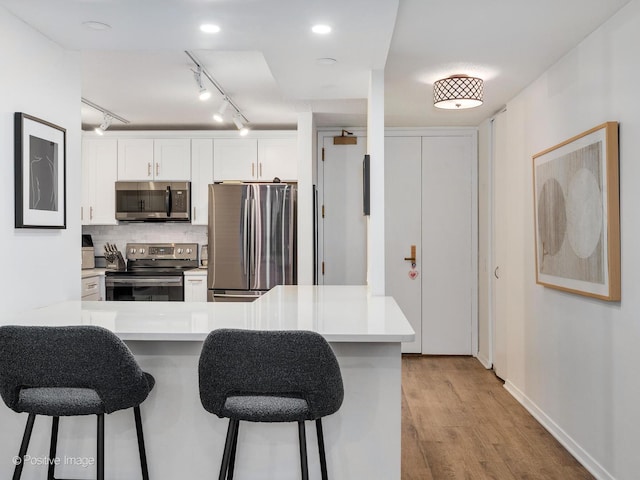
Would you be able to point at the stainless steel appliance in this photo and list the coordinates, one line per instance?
(252, 239)
(155, 272)
(153, 201)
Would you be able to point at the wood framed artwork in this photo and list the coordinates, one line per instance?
(40, 173)
(577, 214)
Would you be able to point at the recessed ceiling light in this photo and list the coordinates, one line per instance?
(326, 61)
(321, 29)
(96, 25)
(209, 28)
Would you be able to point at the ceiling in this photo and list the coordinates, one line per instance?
(266, 58)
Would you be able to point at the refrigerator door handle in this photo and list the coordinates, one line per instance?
(253, 243)
(245, 238)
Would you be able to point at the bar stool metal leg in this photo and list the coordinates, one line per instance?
(141, 449)
(232, 460)
(323, 458)
(228, 444)
(303, 451)
(100, 459)
(53, 447)
(17, 472)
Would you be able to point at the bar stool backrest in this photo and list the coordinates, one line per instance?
(292, 363)
(70, 357)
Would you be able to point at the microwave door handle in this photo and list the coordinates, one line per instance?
(167, 201)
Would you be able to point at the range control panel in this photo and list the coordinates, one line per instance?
(162, 251)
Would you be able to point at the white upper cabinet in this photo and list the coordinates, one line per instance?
(277, 157)
(172, 159)
(99, 174)
(235, 159)
(202, 176)
(141, 159)
(255, 160)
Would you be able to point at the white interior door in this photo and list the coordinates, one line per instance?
(344, 227)
(403, 227)
(448, 245)
(499, 216)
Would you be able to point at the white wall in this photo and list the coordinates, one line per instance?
(575, 361)
(39, 267)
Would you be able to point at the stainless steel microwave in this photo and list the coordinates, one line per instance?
(153, 201)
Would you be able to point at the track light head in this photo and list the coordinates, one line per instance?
(219, 115)
(238, 122)
(106, 123)
(204, 94)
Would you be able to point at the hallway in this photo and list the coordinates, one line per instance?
(458, 422)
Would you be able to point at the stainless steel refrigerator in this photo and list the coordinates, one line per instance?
(252, 239)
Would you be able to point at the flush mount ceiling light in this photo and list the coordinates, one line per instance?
(209, 28)
(219, 115)
(458, 92)
(321, 29)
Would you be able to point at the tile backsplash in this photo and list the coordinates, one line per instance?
(125, 233)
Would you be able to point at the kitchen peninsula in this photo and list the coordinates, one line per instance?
(183, 441)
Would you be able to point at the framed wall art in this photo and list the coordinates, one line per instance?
(40, 173)
(577, 214)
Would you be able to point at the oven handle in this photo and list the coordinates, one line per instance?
(154, 281)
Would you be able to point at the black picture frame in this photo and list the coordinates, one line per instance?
(366, 194)
(40, 173)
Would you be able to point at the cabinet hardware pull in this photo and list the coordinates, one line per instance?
(194, 213)
(253, 166)
(261, 169)
(81, 213)
(496, 271)
(90, 213)
(157, 169)
(149, 169)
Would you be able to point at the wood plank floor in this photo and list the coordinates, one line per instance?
(458, 422)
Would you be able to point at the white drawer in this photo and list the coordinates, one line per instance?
(90, 287)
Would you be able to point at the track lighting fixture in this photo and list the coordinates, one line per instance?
(108, 116)
(219, 115)
(106, 123)
(239, 119)
(238, 122)
(203, 94)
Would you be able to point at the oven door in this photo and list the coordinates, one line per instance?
(145, 288)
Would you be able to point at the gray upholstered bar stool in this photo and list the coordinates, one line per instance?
(269, 376)
(69, 371)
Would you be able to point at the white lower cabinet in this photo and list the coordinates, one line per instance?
(195, 286)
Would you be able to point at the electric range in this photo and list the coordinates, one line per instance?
(155, 272)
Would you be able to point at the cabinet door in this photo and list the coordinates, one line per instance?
(278, 157)
(135, 159)
(235, 159)
(202, 171)
(195, 288)
(99, 174)
(172, 159)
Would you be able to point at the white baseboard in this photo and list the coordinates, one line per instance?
(484, 361)
(554, 429)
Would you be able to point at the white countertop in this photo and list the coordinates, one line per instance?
(93, 272)
(339, 313)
